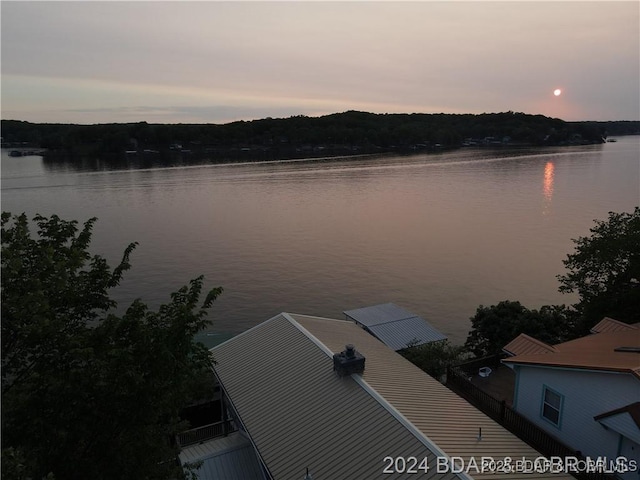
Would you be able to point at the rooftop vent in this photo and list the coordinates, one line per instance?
(348, 361)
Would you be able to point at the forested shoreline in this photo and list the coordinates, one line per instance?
(337, 134)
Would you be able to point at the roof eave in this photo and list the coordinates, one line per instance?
(533, 363)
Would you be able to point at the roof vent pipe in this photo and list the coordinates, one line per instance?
(350, 350)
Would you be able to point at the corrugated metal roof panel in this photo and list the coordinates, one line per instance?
(444, 417)
(524, 344)
(598, 351)
(395, 326)
(610, 325)
(300, 414)
(230, 458)
(375, 314)
(400, 333)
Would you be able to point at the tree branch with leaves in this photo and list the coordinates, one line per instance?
(604, 271)
(87, 393)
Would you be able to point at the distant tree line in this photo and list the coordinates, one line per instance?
(345, 133)
(617, 128)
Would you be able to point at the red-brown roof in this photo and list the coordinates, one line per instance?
(599, 351)
(610, 325)
(524, 344)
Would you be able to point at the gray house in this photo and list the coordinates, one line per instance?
(585, 392)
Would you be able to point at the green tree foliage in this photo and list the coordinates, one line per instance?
(435, 357)
(495, 326)
(86, 393)
(605, 271)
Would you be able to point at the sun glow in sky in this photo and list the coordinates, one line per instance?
(90, 62)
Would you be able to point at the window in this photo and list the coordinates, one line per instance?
(551, 406)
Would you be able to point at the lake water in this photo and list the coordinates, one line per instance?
(437, 234)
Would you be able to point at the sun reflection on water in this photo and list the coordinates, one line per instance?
(547, 186)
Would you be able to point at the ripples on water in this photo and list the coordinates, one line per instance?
(437, 234)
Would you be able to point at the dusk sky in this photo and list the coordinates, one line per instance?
(216, 62)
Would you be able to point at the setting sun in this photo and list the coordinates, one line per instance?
(557, 92)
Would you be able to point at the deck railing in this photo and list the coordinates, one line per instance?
(205, 432)
(457, 380)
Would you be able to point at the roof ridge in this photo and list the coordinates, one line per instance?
(561, 347)
(401, 320)
(415, 431)
(515, 346)
(600, 327)
(314, 317)
(539, 342)
(308, 334)
(241, 334)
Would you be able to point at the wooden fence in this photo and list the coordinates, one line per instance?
(457, 380)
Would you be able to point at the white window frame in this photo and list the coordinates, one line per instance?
(547, 406)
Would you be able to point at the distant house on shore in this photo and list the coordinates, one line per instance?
(318, 398)
(585, 392)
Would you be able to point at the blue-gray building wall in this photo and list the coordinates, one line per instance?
(585, 395)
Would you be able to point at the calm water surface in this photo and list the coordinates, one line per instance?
(436, 234)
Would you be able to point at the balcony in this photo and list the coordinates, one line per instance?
(205, 432)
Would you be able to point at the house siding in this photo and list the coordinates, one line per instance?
(627, 449)
(585, 395)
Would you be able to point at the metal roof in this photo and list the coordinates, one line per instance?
(610, 325)
(299, 413)
(445, 418)
(280, 381)
(395, 326)
(376, 314)
(524, 344)
(230, 458)
(598, 351)
(625, 421)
